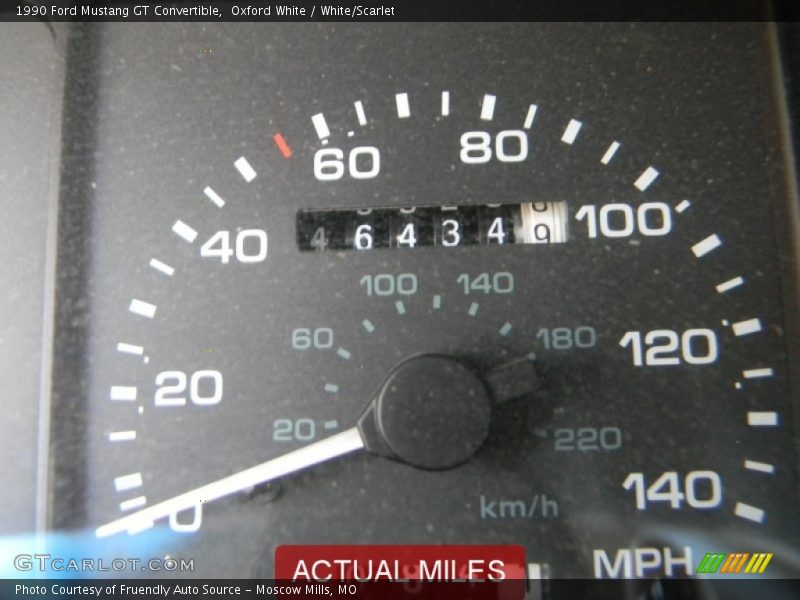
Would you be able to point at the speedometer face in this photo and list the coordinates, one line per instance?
(543, 291)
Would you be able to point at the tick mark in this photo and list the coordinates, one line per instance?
(214, 197)
(445, 104)
(761, 467)
(282, 145)
(762, 419)
(706, 245)
(758, 373)
(362, 117)
(124, 393)
(646, 179)
(487, 107)
(143, 309)
(130, 349)
(162, 267)
(747, 327)
(183, 231)
(530, 116)
(727, 286)
(403, 108)
(122, 436)
(571, 132)
(751, 513)
(245, 169)
(610, 152)
(137, 502)
(321, 126)
(128, 482)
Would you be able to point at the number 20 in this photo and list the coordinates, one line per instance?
(205, 388)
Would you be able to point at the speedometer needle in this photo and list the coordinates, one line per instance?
(432, 412)
(337, 445)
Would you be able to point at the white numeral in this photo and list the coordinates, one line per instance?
(205, 388)
(194, 525)
(364, 237)
(407, 237)
(363, 162)
(509, 147)
(703, 489)
(250, 246)
(617, 220)
(666, 348)
(451, 235)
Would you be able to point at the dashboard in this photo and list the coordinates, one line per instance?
(529, 284)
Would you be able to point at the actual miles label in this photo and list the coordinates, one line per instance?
(399, 571)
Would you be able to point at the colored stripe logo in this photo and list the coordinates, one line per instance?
(734, 563)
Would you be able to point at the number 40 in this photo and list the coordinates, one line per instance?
(250, 246)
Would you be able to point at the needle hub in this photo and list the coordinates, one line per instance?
(432, 412)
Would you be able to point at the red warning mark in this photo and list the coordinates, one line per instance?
(282, 145)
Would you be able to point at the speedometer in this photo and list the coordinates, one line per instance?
(434, 284)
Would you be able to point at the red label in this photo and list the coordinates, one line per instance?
(395, 571)
(400, 563)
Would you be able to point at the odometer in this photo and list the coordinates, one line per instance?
(446, 226)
